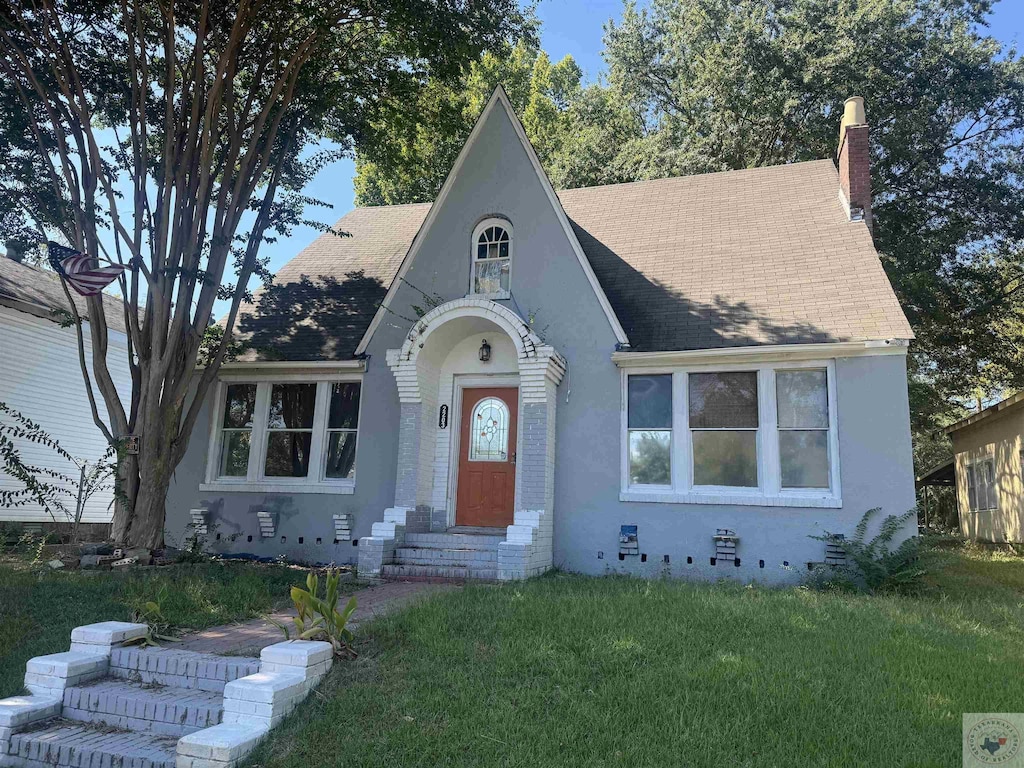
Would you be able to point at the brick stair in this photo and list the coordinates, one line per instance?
(157, 709)
(450, 555)
(83, 745)
(105, 704)
(453, 572)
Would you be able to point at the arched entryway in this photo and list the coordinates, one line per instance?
(468, 361)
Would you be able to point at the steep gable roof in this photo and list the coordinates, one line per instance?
(498, 100)
(761, 256)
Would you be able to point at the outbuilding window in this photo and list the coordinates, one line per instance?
(492, 258)
(981, 486)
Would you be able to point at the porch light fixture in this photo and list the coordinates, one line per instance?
(485, 351)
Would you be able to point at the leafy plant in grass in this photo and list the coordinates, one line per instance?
(150, 613)
(874, 565)
(320, 619)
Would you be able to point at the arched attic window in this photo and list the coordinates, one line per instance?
(492, 257)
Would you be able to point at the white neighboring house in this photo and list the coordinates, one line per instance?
(41, 378)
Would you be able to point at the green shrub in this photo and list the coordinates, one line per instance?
(874, 565)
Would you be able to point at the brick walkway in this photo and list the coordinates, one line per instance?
(250, 637)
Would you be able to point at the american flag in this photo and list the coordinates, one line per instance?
(81, 270)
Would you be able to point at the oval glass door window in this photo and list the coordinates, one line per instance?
(489, 425)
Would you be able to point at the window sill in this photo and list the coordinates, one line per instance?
(269, 487)
(499, 296)
(737, 499)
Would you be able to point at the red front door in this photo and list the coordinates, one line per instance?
(487, 457)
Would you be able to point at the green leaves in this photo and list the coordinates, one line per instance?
(874, 565)
(319, 618)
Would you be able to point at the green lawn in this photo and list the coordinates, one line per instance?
(570, 671)
(39, 610)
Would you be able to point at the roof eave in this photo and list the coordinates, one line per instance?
(763, 352)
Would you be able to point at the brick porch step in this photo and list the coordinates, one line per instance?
(477, 558)
(161, 710)
(456, 572)
(453, 541)
(180, 669)
(69, 744)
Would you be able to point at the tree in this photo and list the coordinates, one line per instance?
(572, 128)
(695, 86)
(174, 137)
(730, 84)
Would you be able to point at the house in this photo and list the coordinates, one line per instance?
(988, 456)
(42, 380)
(689, 376)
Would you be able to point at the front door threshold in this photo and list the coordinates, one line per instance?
(477, 530)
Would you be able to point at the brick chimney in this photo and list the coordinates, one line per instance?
(854, 158)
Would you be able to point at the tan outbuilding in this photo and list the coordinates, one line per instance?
(988, 450)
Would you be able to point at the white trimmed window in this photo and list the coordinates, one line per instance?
(492, 258)
(285, 434)
(981, 485)
(757, 434)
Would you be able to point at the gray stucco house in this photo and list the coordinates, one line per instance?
(688, 376)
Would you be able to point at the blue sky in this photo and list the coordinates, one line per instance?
(569, 27)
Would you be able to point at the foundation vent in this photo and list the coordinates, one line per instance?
(835, 550)
(725, 544)
(628, 543)
(197, 519)
(343, 527)
(268, 523)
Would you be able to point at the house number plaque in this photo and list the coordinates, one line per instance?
(442, 418)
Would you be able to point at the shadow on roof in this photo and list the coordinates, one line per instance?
(656, 318)
(320, 318)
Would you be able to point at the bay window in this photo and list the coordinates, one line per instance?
(763, 433)
(285, 435)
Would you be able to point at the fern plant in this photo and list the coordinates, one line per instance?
(319, 618)
(874, 565)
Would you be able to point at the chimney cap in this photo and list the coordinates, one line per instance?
(853, 114)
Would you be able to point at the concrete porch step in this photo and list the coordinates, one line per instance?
(478, 558)
(160, 710)
(453, 541)
(68, 744)
(456, 572)
(180, 669)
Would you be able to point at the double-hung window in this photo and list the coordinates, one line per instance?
(981, 485)
(802, 402)
(293, 435)
(744, 435)
(723, 428)
(649, 417)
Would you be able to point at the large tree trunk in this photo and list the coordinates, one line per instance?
(147, 524)
(125, 492)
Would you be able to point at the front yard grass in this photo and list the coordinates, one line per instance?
(38, 610)
(571, 671)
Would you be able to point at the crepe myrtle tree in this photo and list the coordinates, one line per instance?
(174, 137)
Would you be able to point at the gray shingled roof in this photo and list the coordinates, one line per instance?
(41, 289)
(760, 256)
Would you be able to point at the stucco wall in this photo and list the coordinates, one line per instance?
(299, 515)
(550, 289)
(876, 469)
(998, 437)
